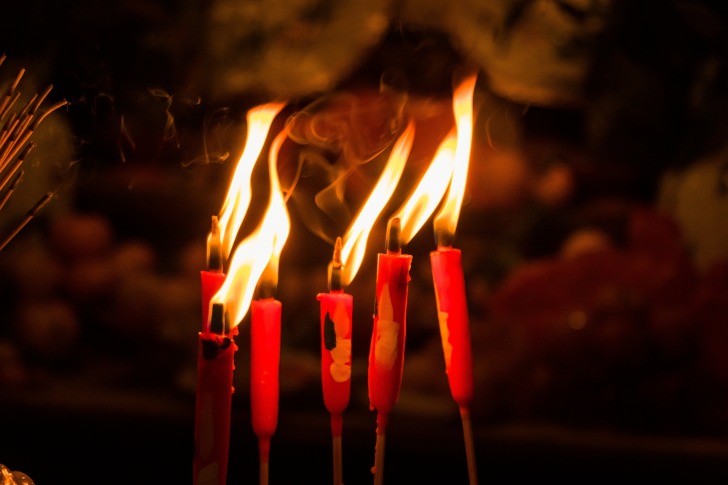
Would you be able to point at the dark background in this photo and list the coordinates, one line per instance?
(102, 390)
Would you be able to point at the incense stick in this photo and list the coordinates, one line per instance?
(11, 189)
(9, 94)
(28, 217)
(16, 128)
(29, 131)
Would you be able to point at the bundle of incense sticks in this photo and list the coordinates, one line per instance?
(16, 128)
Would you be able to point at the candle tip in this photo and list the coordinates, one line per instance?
(393, 243)
(336, 268)
(337, 251)
(443, 238)
(268, 283)
(214, 247)
(219, 323)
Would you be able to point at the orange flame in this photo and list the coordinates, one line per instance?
(355, 239)
(446, 219)
(239, 193)
(428, 194)
(259, 250)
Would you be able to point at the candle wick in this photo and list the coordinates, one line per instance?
(336, 269)
(219, 322)
(268, 283)
(28, 217)
(444, 238)
(394, 229)
(214, 247)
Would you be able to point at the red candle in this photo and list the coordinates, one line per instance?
(213, 278)
(452, 311)
(215, 365)
(335, 316)
(336, 309)
(265, 350)
(213, 406)
(447, 273)
(211, 283)
(386, 351)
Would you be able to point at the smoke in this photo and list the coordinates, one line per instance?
(339, 139)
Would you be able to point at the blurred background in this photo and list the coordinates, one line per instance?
(593, 232)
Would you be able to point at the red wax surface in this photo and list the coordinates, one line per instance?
(211, 283)
(335, 317)
(213, 406)
(214, 393)
(265, 351)
(386, 352)
(452, 309)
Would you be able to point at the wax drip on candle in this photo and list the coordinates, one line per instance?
(220, 328)
(214, 397)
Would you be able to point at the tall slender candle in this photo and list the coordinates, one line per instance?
(335, 316)
(216, 349)
(265, 352)
(447, 274)
(229, 297)
(452, 311)
(386, 351)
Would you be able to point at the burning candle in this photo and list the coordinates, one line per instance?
(336, 306)
(212, 278)
(255, 260)
(386, 351)
(386, 357)
(447, 171)
(447, 275)
(335, 315)
(452, 310)
(226, 299)
(216, 349)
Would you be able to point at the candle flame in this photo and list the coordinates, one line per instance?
(239, 192)
(447, 217)
(354, 247)
(428, 194)
(259, 252)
